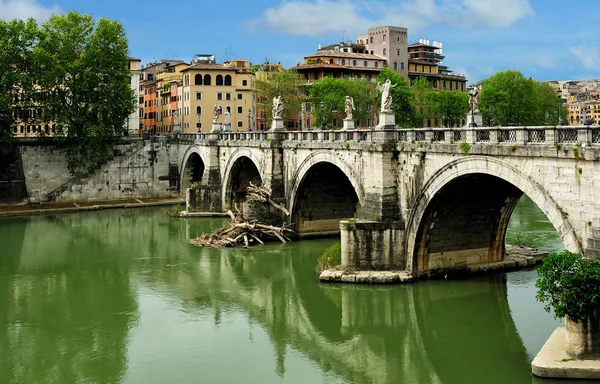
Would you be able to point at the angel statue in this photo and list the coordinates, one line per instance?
(474, 98)
(277, 107)
(217, 112)
(386, 98)
(349, 107)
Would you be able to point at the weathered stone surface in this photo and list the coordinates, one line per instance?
(553, 361)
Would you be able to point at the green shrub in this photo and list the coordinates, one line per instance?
(332, 257)
(570, 285)
(465, 148)
(174, 210)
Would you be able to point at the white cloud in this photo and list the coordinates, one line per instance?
(588, 56)
(319, 17)
(24, 9)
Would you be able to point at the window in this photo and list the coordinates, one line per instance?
(366, 63)
(395, 65)
(240, 124)
(207, 79)
(198, 79)
(343, 61)
(330, 61)
(219, 80)
(354, 63)
(228, 96)
(198, 125)
(371, 40)
(240, 110)
(384, 51)
(228, 109)
(198, 110)
(228, 80)
(398, 52)
(377, 64)
(401, 65)
(308, 123)
(244, 83)
(239, 96)
(198, 95)
(308, 107)
(219, 96)
(371, 52)
(384, 36)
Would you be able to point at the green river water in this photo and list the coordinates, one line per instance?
(120, 297)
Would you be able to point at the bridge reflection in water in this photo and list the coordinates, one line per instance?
(121, 297)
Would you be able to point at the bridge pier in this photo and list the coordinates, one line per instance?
(372, 245)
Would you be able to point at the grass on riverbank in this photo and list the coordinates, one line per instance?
(332, 257)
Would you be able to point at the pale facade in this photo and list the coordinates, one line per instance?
(133, 121)
(389, 42)
(206, 84)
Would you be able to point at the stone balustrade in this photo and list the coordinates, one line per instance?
(492, 135)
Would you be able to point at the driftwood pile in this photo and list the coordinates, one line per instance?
(244, 231)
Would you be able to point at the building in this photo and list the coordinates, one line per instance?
(390, 43)
(133, 121)
(426, 61)
(343, 60)
(168, 83)
(206, 83)
(262, 110)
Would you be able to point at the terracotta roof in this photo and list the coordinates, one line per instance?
(346, 55)
(218, 67)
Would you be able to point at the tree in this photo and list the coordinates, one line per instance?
(423, 101)
(332, 93)
(17, 39)
(402, 98)
(84, 75)
(286, 83)
(450, 107)
(548, 108)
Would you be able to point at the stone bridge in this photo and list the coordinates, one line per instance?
(414, 199)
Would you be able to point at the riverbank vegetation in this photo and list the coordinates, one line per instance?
(332, 257)
(67, 78)
(569, 285)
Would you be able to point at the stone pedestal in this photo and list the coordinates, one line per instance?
(348, 124)
(176, 129)
(372, 244)
(277, 124)
(216, 127)
(226, 127)
(387, 120)
(583, 338)
(477, 117)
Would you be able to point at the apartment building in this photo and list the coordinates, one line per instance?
(390, 43)
(206, 83)
(426, 61)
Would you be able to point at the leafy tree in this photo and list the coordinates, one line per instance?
(332, 93)
(286, 83)
(83, 70)
(423, 101)
(17, 92)
(508, 98)
(570, 285)
(450, 107)
(402, 98)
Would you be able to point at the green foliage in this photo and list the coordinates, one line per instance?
(402, 99)
(287, 84)
(423, 101)
(174, 210)
(332, 257)
(570, 285)
(508, 98)
(450, 107)
(332, 93)
(465, 148)
(520, 240)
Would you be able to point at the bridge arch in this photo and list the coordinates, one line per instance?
(478, 194)
(328, 177)
(243, 167)
(193, 167)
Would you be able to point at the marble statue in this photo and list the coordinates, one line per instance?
(217, 112)
(277, 107)
(386, 97)
(175, 117)
(474, 95)
(227, 118)
(349, 107)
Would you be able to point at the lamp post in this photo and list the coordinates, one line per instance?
(472, 95)
(322, 117)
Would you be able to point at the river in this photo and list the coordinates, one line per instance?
(121, 297)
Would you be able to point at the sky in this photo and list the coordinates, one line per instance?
(544, 39)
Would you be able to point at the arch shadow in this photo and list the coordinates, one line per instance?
(241, 169)
(463, 181)
(193, 167)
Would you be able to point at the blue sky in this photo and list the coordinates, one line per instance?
(544, 39)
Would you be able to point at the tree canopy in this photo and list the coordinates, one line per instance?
(508, 98)
(402, 98)
(71, 72)
(286, 83)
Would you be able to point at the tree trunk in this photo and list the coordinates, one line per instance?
(583, 338)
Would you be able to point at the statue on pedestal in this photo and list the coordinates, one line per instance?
(218, 111)
(386, 97)
(349, 107)
(474, 95)
(175, 117)
(277, 107)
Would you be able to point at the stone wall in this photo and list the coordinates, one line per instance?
(137, 169)
(12, 180)
(372, 245)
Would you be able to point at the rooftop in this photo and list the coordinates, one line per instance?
(345, 55)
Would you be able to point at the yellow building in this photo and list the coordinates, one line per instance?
(425, 61)
(206, 84)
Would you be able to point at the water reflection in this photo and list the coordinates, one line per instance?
(119, 296)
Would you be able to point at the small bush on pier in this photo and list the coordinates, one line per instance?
(332, 257)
